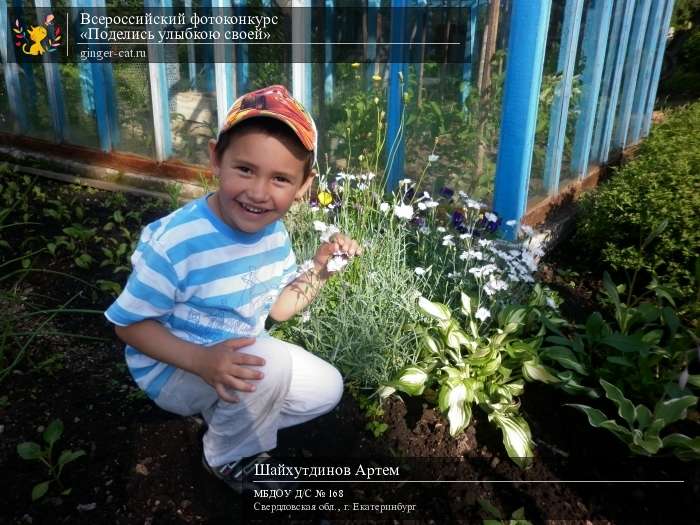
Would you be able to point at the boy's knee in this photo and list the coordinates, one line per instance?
(277, 370)
(331, 387)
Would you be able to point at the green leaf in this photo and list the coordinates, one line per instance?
(565, 357)
(625, 407)
(683, 441)
(459, 417)
(412, 381)
(619, 360)
(611, 290)
(466, 304)
(456, 339)
(596, 327)
(53, 431)
(436, 310)
(39, 490)
(650, 444)
(516, 438)
(625, 343)
(595, 416)
(430, 343)
(644, 417)
(29, 450)
(534, 371)
(670, 319)
(68, 455)
(674, 409)
(694, 379)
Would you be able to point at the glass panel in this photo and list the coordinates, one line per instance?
(36, 100)
(577, 91)
(551, 79)
(79, 103)
(467, 132)
(134, 110)
(6, 125)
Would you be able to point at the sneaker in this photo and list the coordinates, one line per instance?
(240, 475)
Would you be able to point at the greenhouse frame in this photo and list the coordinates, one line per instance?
(600, 60)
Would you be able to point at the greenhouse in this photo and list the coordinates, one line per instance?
(349, 261)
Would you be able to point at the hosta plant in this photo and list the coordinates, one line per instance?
(471, 362)
(640, 428)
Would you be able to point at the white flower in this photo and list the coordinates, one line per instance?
(485, 242)
(337, 262)
(432, 158)
(362, 186)
(403, 211)
(494, 285)
(441, 229)
(384, 207)
(447, 240)
(527, 230)
(421, 206)
(465, 236)
(330, 231)
(404, 182)
(431, 204)
(482, 314)
(424, 230)
(314, 208)
(491, 217)
(320, 226)
(306, 316)
(550, 302)
(420, 271)
(473, 204)
(683, 378)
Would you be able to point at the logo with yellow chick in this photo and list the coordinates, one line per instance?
(35, 40)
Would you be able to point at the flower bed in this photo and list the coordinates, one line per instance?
(439, 316)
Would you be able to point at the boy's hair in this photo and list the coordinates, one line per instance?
(274, 128)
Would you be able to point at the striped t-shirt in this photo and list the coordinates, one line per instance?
(204, 281)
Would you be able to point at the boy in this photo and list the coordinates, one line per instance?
(205, 279)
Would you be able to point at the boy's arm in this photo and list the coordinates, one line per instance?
(301, 292)
(298, 294)
(221, 366)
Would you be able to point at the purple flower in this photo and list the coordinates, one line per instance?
(418, 221)
(447, 192)
(409, 195)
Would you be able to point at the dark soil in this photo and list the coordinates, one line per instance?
(143, 465)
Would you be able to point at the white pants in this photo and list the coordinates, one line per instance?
(297, 386)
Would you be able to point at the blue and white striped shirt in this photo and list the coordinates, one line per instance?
(204, 281)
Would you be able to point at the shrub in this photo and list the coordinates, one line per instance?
(660, 184)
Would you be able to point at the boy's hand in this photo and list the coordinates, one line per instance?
(337, 243)
(225, 368)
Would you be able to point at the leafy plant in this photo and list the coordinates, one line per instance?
(469, 363)
(496, 516)
(644, 351)
(640, 428)
(31, 451)
(660, 186)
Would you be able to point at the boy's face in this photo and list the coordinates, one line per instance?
(259, 178)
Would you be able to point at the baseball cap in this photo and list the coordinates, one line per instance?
(274, 102)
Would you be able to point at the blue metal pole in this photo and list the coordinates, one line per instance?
(526, 47)
(645, 71)
(619, 50)
(328, 50)
(634, 56)
(559, 112)
(660, 50)
(594, 47)
(397, 80)
(11, 73)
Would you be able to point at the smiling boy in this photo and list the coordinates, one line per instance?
(206, 277)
